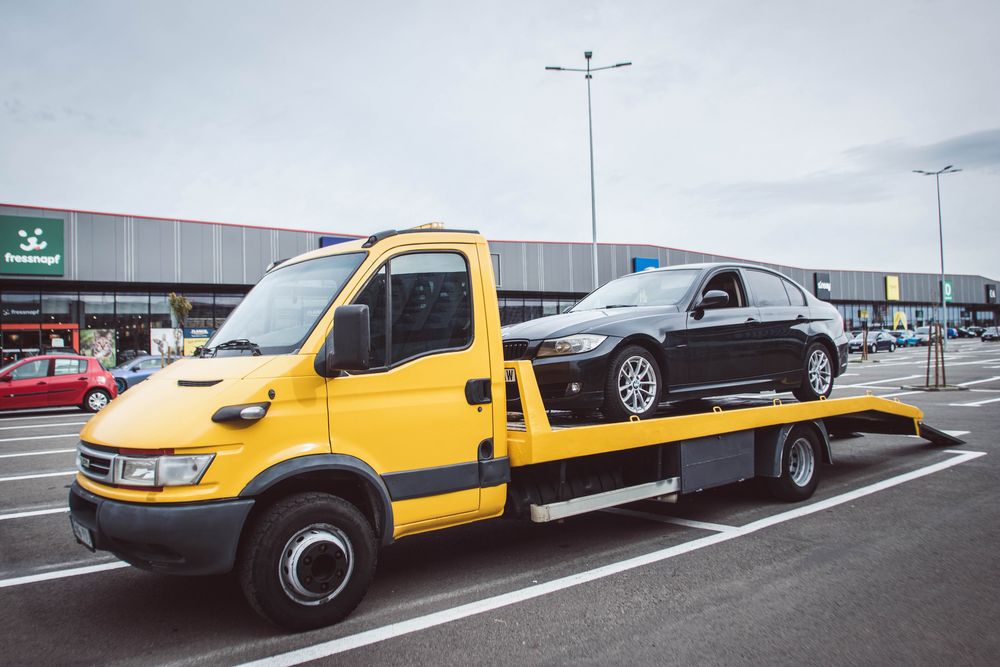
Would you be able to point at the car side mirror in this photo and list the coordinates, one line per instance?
(714, 298)
(348, 346)
(6, 378)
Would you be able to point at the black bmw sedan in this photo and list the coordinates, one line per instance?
(683, 332)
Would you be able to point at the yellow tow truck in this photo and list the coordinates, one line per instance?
(358, 396)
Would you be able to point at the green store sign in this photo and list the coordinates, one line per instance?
(31, 246)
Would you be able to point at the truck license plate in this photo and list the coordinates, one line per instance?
(82, 533)
(509, 375)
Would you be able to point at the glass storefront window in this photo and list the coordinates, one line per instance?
(202, 311)
(20, 307)
(225, 304)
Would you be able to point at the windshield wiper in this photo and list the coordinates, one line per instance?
(235, 344)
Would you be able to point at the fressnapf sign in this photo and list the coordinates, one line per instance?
(31, 246)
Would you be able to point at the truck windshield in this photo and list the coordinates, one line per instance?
(282, 309)
(650, 288)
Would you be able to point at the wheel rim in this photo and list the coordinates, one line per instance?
(819, 372)
(316, 564)
(637, 385)
(801, 462)
(97, 400)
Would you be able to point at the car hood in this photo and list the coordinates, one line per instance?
(605, 321)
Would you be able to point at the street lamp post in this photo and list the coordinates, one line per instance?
(950, 169)
(590, 129)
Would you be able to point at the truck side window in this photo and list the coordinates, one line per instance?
(431, 308)
(374, 296)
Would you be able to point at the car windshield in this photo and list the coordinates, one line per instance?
(280, 311)
(650, 288)
(923, 330)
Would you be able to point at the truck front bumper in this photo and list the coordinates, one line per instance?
(181, 538)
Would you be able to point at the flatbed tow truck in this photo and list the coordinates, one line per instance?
(292, 450)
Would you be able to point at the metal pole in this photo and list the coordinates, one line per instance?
(593, 200)
(944, 311)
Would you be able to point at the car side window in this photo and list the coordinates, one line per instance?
(149, 364)
(767, 289)
(730, 283)
(70, 367)
(31, 370)
(431, 304)
(374, 296)
(795, 295)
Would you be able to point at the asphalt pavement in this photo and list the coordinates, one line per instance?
(893, 561)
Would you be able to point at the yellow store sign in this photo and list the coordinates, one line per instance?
(892, 288)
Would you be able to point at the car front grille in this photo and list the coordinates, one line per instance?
(94, 463)
(514, 349)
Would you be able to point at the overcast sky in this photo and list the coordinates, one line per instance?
(777, 131)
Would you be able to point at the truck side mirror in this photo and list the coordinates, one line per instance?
(348, 347)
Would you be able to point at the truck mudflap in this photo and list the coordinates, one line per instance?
(184, 538)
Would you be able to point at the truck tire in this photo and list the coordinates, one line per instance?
(307, 561)
(800, 462)
(817, 375)
(95, 400)
(634, 385)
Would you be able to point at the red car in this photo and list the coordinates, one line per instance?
(56, 380)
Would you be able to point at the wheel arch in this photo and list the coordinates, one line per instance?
(831, 349)
(345, 476)
(653, 347)
(769, 446)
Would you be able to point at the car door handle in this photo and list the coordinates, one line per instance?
(801, 317)
(81, 379)
(752, 320)
(40, 382)
(479, 391)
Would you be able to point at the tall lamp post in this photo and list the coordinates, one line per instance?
(590, 128)
(950, 169)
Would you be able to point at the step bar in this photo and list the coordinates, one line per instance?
(597, 501)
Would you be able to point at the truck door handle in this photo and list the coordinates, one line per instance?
(479, 391)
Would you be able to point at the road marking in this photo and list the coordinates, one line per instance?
(967, 384)
(677, 521)
(36, 476)
(41, 437)
(974, 404)
(11, 428)
(375, 635)
(846, 375)
(14, 419)
(61, 574)
(899, 393)
(24, 515)
(48, 451)
(866, 384)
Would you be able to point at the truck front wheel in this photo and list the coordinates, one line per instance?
(307, 561)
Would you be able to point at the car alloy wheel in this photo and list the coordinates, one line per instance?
(819, 372)
(637, 385)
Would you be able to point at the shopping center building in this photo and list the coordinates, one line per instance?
(81, 279)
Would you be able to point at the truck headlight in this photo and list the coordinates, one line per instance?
(156, 471)
(569, 345)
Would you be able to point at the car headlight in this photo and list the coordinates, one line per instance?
(569, 345)
(161, 470)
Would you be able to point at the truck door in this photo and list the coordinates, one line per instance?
(412, 416)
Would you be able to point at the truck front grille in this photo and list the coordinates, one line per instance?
(514, 349)
(94, 463)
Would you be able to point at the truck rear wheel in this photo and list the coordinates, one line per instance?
(307, 561)
(799, 467)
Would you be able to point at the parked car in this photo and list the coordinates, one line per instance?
(683, 332)
(56, 380)
(134, 371)
(877, 340)
(967, 332)
(923, 335)
(976, 331)
(130, 354)
(991, 334)
(904, 337)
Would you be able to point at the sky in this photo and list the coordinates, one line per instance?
(782, 132)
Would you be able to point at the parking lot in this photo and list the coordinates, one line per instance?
(894, 560)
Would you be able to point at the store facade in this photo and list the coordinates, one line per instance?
(100, 283)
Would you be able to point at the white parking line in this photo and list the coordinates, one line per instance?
(41, 437)
(866, 384)
(14, 419)
(61, 574)
(677, 521)
(48, 451)
(974, 404)
(17, 478)
(969, 384)
(30, 513)
(11, 428)
(375, 635)
(899, 393)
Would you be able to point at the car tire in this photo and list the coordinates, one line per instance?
(121, 384)
(634, 385)
(800, 463)
(817, 374)
(892, 347)
(95, 400)
(307, 561)
(873, 349)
